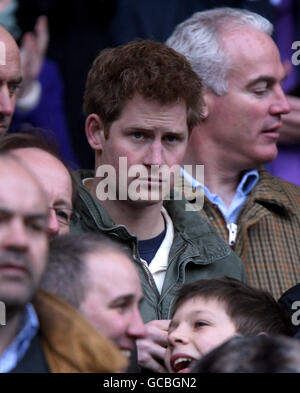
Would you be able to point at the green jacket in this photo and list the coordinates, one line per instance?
(197, 251)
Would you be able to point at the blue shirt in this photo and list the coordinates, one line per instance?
(17, 349)
(247, 183)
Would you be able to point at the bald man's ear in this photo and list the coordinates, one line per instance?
(94, 130)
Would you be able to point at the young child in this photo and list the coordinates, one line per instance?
(208, 312)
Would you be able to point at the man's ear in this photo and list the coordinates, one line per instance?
(94, 131)
(207, 101)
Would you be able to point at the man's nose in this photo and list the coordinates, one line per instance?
(53, 224)
(17, 236)
(7, 102)
(281, 105)
(154, 154)
(137, 327)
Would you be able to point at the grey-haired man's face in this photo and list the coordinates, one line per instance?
(243, 123)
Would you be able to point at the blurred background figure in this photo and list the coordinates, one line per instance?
(40, 98)
(254, 354)
(33, 338)
(55, 177)
(10, 78)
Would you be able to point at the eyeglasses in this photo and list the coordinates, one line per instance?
(65, 216)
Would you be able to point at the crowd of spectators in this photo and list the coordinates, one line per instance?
(134, 264)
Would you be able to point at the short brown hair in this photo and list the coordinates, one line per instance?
(144, 67)
(252, 310)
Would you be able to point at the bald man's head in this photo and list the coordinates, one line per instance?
(10, 77)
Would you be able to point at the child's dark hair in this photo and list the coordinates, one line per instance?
(252, 310)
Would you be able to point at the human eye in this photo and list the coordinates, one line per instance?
(36, 224)
(4, 216)
(260, 89)
(171, 138)
(63, 215)
(138, 135)
(121, 307)
(174, 138)
(260, 92)
(122, 304)
(199, 324)
(13, 87)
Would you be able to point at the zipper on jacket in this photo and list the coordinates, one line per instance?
(180, 250)
(146, 270)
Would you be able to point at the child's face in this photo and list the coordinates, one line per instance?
(198, 326)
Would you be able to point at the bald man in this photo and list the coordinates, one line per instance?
(57, 184)
(10, 78)
(54, 176)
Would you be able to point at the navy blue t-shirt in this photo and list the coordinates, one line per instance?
(148, 248)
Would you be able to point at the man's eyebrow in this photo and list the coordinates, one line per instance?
(151, 129)
(62, 203)
(268, 79)
(265, 78)
(38, 215)
(17, 81)
(127, 298)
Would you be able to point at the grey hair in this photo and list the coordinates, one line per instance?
(199, 40)
(66, 274)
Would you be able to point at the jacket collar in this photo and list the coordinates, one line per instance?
(95, 210)
(184, 221)
(189, 228)
(69, 337)
(270, 190)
